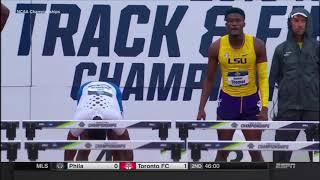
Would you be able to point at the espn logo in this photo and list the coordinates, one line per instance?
(128, 166)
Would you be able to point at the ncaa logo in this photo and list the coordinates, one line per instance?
(88, 145)
(234, 125)
(82, 124)
(250, 146)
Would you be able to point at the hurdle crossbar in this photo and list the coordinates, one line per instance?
(32, 125)
(175, 146)
(197, 146)
(185, 126)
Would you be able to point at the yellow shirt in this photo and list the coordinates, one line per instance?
(238, 67)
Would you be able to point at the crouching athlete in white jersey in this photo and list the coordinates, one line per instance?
(99, 101)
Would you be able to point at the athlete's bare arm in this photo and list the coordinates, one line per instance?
(120, 155)
(261, 55)
(260, 50)
(4, 15)
(208, 83)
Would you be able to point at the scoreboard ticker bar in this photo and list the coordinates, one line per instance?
(154, 166)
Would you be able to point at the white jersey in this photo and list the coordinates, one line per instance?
(100, 99)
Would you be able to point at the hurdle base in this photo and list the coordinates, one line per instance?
(33, 151)
(163, 131)
(184, 131)
(195, 152)
(175, 152)
(12, 152)
(31, 130)
(11, 130)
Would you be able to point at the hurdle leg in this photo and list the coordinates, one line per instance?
(12, 152)
(176, 152)
(11, 131)
(195, 152)
(33, 151)
(163, 131)
(183, 132)
(30, 131)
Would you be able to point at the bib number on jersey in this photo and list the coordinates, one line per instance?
(100, 90)
(237, 79)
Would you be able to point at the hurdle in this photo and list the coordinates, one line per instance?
(12, 148)
(10, 127)
(32, 125)
(185, 126)
(176, 147)
(197, 146)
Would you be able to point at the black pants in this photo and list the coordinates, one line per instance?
(291, 135)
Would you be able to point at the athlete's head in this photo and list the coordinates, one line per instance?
(112, 116)
(234, 18)
(97, 118)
